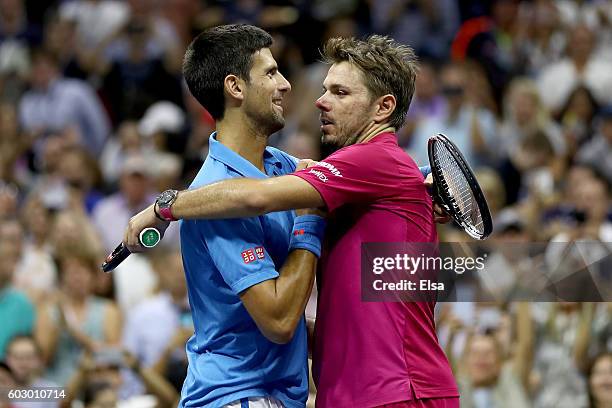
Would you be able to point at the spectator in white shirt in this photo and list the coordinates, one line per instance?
(558, 80)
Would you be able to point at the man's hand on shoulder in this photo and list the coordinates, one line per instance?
(305, 163)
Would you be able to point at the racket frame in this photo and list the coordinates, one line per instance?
(446, 200)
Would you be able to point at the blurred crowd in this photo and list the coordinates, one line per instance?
(95, 120)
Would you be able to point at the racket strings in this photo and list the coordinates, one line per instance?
(459, 187)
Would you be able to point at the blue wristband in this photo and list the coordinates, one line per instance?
(425, 170)
(307, 233)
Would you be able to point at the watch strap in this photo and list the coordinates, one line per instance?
(166, 214)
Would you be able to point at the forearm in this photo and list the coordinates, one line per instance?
(294, 286)
(237, 198)
(283, 305)
(226, 199)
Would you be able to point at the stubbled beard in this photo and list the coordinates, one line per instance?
(275, 125)
(268, 123)
(330, 146)
(272, 122)
(327, 147)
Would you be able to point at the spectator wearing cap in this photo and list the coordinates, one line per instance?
(163, 125)
(598, 152)
(55, 104)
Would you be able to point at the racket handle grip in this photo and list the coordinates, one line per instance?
(148, 238)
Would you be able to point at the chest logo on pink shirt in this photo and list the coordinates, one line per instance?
(319, 174)
(332, 169)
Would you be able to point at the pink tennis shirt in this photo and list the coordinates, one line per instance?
(368, 354)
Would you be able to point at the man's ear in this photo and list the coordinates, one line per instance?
(385, 107)
(234, 87)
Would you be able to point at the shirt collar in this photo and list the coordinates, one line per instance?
(222, 153)
(384, 138)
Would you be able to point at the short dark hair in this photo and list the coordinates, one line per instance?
(388, 68)
(217, 53)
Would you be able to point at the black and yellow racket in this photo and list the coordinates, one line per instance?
(456, 189)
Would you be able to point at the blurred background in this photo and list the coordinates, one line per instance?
(95, 120)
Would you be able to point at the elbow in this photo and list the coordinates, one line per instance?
(258, 202)
(280, 332)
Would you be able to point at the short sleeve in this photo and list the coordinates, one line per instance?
(361, 173)
(236, 247)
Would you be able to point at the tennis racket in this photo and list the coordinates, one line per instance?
(456, 189)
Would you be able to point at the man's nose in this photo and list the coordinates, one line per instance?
(322, 104)
(285, 86)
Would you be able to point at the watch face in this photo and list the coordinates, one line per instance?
(166, 198)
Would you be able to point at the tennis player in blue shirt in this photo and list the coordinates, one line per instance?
(249, 279)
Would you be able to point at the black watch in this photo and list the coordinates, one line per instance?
(163, 203)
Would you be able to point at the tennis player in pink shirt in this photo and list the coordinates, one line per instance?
(366, 354)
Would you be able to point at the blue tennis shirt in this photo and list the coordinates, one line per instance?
(229, 358)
